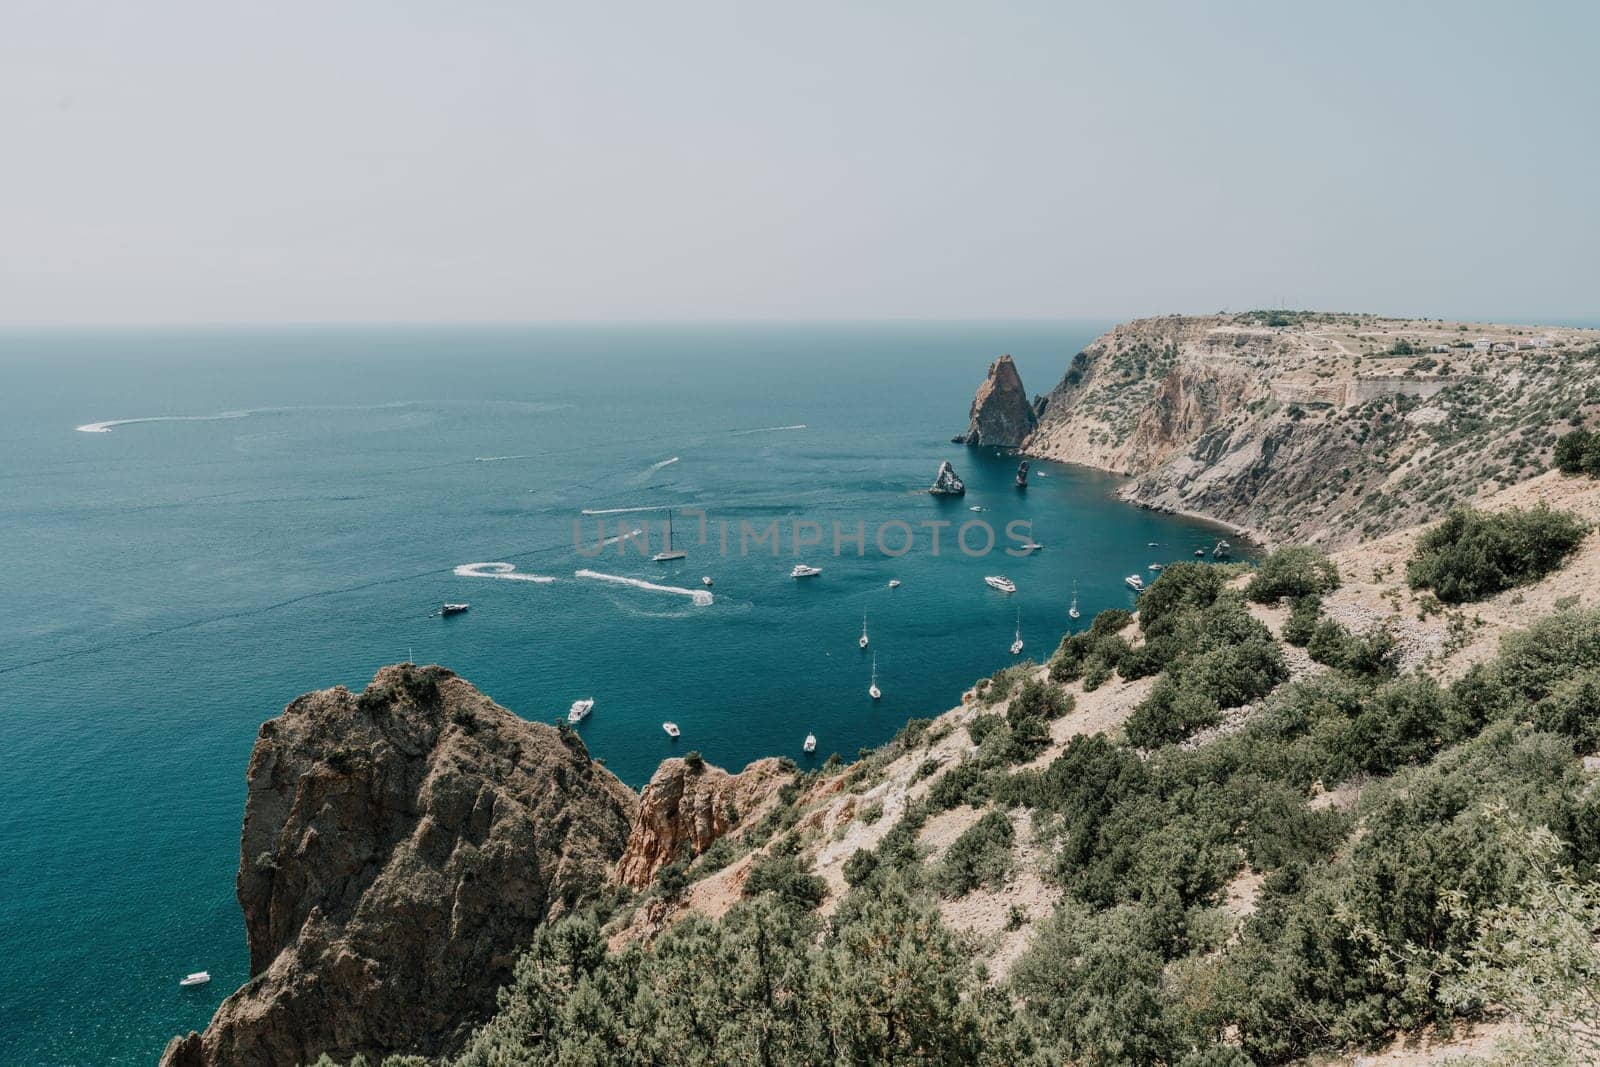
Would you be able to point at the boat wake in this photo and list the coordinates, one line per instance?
(622, 536)
(657, 466)
(498, 459)
(504, 571)
(700, 597)
(109, 424)
(766, 429)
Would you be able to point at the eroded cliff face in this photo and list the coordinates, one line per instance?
(399, 848)
(685, 809)
(1001, 414)
(1314, 427)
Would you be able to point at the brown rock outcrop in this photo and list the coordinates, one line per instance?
(1001, 414)
(685, 809)
(399, 849)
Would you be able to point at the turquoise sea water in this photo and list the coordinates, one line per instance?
(172, 583)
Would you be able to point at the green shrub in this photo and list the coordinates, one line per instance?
(1296, 571)
(786, 878)
(1578, 452)
(1472, 554)
(980, 856)
(1302, 621)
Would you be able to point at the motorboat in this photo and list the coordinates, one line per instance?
(1199, 553)
(894, 583)
(1158, 567)
(706, 581)
(196, 978)
(977, 507)
(453, 609)
(811, 743)
(1134, 582)
(1000, 582)
(803, 571)
(1030, 545)
(580, 710)
(672, 729)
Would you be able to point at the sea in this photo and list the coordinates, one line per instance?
(199, 524)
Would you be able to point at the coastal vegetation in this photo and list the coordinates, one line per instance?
(1473, 554)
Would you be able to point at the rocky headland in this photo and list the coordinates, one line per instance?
(1322, 428)
(400, 847)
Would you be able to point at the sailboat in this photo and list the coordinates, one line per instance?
(811, 743)
(872, 690)
(863, 641)
(1016, 644)
(1073, 612)
(668, 553)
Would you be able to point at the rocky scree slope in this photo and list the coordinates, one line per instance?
(399, 849)
(1318, 428)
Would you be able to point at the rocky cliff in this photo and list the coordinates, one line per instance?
(687, 807)
(399, 848)
(947, 482)
(1001, 414)
(1317, 427)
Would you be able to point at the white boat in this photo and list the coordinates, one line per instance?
(197, 978)
(1040, 474)
(668, 553)
(1199, 552)
(580, 710)
(1134, 582)
(1016, 644)
(872, 690)
(671, 728)
(1152, 544)
(811, 743)
(1000, 582)
(894, 583)
(1157, 567)
(976, 507)
(1073, 612)
(453, 609)
(803, 571)
(706, 581)
(863, 641)
(1030, 545)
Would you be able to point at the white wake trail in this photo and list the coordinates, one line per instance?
(109, 424)
(766, 429)
(504, 571)
(657, 466)
(700, 597)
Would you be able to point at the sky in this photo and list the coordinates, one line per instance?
(212, 161)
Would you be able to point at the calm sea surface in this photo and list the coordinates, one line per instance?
(291, 513)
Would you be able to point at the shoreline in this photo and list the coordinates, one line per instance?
(1250, 534)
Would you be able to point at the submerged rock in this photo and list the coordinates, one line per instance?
(1001, 413)
(399, 850)
(948, 483)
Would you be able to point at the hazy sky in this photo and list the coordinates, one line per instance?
(208, 160)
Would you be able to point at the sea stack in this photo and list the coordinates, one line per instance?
(1001, 414)
(1022, 475)
(948, 483)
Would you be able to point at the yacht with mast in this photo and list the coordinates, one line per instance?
(668, 553)
(872, 690)
(863, 641)
(1073, 612)
(1016, 644)
(811, 743)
